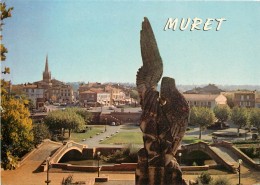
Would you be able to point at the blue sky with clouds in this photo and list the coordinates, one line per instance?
(99, 41)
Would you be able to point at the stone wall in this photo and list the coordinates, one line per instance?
(117, 167)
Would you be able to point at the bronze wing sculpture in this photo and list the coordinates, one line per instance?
(164, 117)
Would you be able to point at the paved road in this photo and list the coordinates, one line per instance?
(207, 134)
(93, 142)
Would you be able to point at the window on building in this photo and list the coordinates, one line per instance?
(247, 97)
(242, 97)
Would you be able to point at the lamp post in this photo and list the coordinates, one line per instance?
(98, 158)
(106, 125)
(239, 169)
(48, 167)
(180, 154)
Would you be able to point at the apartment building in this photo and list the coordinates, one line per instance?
(205, 100)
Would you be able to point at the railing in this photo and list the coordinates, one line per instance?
(58, 154)
(205, 147)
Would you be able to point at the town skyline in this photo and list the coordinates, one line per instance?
(100, 42)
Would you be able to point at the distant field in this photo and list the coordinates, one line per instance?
(90, 133)
(125, 138)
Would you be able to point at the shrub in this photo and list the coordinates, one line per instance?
(250, 152)
(128, 154)
(205, 178)
(246, 142)
(222, 181)
(67, 181)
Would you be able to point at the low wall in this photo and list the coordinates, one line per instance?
(240, 154)
(118, 167)
(132, 117)
(245, 158)
(70, 167)
(195, 168)
(203, 146)
(23, 159)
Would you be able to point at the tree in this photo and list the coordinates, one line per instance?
(202, 117)
(40, 132)
(134, 94)
(64, 119)
(73, 121)
(16, 130)
(230, 101)
(222, 113)
(5, 13)
(254, 118)
(240, 117)
(83, 113)
(16, 126)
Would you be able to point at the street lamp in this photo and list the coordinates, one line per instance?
(106, 125)
(98, 158)
(239, 169)
(180, 154)
(48, 167)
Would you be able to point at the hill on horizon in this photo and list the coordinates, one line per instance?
(183, 88)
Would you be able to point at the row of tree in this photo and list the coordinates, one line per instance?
(242, 117)
(19, 134)
(67, 119)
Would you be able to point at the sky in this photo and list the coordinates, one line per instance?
(99, 41)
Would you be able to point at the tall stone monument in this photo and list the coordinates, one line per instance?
(164, 118)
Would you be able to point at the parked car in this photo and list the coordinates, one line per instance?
(111, 108)
(63, 104)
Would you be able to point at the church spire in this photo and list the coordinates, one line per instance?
(46, 73)
(46, 65)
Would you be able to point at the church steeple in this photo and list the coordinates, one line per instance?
(46, 74)
(46, 65)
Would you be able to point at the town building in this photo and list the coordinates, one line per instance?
(245, 98)
(54, 90)
(101, 94)
(257, 100)
(47, 89)
(205, 100)
(35, 94)
(87, 98)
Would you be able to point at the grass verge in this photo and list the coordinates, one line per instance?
(190, 140)
(136, 138)
(125, 138)
(77, 137)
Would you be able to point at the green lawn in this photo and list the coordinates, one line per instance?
(136, 138)
(125, 138)
(190, 140)
(90, 133)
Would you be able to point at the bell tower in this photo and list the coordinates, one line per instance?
(46, 73)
